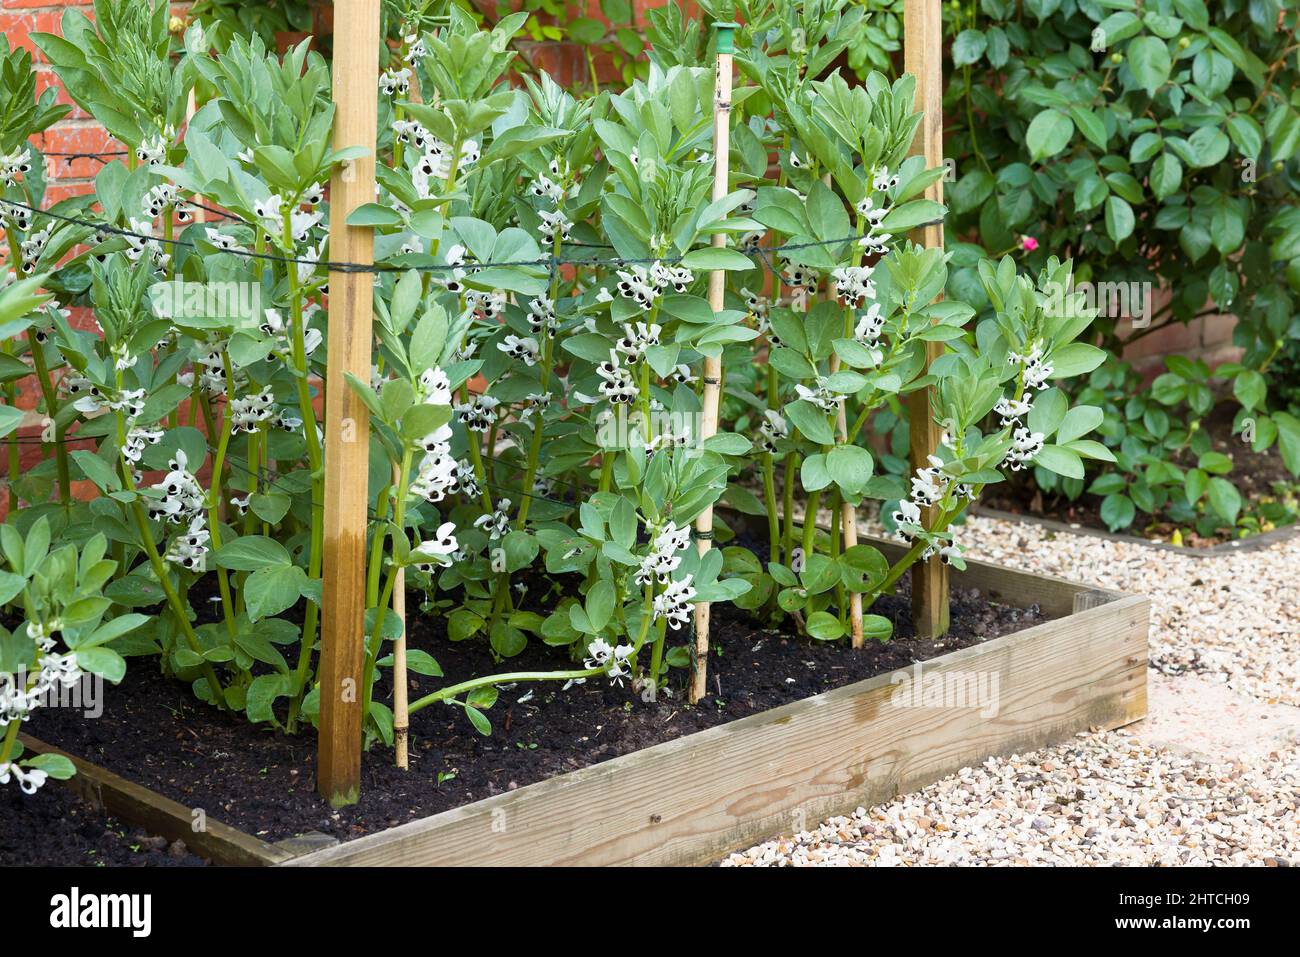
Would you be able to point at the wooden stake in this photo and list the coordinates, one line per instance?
(401, 698)
(848, 512)
(713, 366)
(849, 519)
(923, 58)
(347, 427)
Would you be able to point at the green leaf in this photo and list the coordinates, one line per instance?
(850, 467)
(600, 604)
(57, 766)
(1250, 389)
(1090, 125)
(1060, 460)
(269, 591)
(717, 257)
(481, 724)
(1048, 134)
(10, 586)
(1224, 499)
(1078, 422)
(1119, 219)
(1074, 359)
(1148, 58)
(251, 552)
(813, 474)
(968, 47)
(877, 626)
(105, 662)
(824, 626)
(810, 421)
(1166, 175)
(1117, 511)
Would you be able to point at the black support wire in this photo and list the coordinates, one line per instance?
(548, 262)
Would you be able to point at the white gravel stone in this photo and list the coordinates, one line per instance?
(1234, 618)
(1174, 790)
(1103, 799)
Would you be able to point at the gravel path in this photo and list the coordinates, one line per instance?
(1212, 776)
(1235, 618)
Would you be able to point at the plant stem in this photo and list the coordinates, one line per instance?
(214, 501)
(160, 571)
(376, 640)
(535, 444)
(511, 677)
(308, 414)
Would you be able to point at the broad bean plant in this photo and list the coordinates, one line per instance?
(540, 326)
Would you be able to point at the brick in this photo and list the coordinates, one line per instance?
(75, 136)
(47, 78)
(60, 190)
(18, 27)
(42, 4)
(82, 317)
(1217, 330)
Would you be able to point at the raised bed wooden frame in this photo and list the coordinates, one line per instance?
(691, 800)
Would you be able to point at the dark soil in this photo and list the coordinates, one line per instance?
(1254, 474)
(55, 828)
(155, 732)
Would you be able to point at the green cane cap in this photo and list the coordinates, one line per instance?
(726, 36)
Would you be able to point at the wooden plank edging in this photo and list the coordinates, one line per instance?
(161, 816)
(694, 798)
(738, 783)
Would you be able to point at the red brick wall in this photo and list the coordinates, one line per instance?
(77, 132)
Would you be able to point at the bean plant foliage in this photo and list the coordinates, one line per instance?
(540, 326)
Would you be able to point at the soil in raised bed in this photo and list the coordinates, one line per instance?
(153, 731)
(1254, 474)
(56, 828)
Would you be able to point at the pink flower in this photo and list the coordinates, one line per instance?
(1028, 243)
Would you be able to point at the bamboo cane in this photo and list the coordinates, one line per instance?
(401, 687)
(401, 692)
(848, 511)
(849, 519)
(712, 365)
(347, 426)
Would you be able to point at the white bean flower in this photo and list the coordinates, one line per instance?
(14, 165)
(438, 550)
(1024, 446)
(853, 284)
(772, 428)
(1011, 410)
(675, 602)
(29, 779)
(479, 414)
(497, 524)
(820, 395)
(907, 518)
(524, 349)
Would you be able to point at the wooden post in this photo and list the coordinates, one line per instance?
(713, 366)
(347, 427)
(923, 58)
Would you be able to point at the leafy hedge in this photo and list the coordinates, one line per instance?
(1152, 144)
